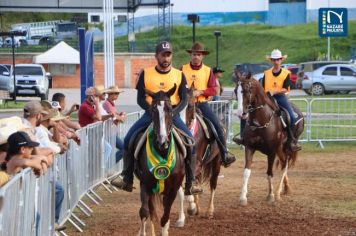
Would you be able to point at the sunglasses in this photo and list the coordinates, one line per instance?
(278, 59)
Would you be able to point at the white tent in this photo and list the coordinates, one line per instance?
(62, 53)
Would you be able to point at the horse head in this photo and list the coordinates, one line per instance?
(162, 116)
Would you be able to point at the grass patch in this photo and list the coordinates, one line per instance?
(12, 105)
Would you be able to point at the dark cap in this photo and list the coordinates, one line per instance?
(218, 70)
(21, 139)
(164, 46)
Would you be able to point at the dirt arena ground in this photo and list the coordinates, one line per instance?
(322, 202)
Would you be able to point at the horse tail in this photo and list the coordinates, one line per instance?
(156, 204)
(292, 159)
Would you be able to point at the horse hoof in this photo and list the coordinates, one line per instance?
(270, 199)
(287, 192)
(192, 211)
(210, 215)
(243, 202)
(179, 224)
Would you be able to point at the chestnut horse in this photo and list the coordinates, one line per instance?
(264, 132)
(208, 161)
(162, 142)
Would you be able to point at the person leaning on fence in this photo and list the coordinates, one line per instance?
(276, 81)
(205, 83)
(218, 73)
(100, 92)
(19, 155)
(89, 111)
(118, 117)
(61, 99)
(33, 113)
(160, 77)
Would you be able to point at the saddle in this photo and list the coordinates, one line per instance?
(284, 114)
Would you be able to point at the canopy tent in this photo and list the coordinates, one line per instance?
(62, 53)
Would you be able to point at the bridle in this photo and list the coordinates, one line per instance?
(251, 109)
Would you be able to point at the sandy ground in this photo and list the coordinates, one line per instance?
(322, 202)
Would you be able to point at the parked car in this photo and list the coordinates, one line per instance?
(330, 78)
(293, 75)
(6, 78)
(32, 80)
(313, 65)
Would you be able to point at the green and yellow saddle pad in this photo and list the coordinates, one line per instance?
(160, 167)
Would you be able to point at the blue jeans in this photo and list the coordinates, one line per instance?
(120, 149)
(144, 121)
(282, 100)
(58, 200)
(211, 116)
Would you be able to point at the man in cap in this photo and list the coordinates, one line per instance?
(205, 84)
(89, 111)
(59, 102)
(276, 81)
(160, 77)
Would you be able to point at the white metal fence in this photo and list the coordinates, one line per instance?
(27, 202)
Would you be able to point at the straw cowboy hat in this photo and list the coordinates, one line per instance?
(57, 116)
(198, 47)
(100, 90)
(113, 89)
(276, 54)
(9, 126)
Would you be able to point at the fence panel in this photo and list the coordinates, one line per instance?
(332, 119)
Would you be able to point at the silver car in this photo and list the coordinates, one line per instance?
(330, 78)
(6, 78)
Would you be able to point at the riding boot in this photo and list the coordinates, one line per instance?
(227, 157)
(292, 141)
(238, 141)
(191, 184)
(124, 181)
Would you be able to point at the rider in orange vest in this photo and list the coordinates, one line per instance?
(160, 77)
(205, 83)
(276, 81)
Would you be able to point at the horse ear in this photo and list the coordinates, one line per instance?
(172, 90)
(249, 75)
(149, 92)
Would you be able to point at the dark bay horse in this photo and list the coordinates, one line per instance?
(208, 161)
(163, 143)
(264, 132)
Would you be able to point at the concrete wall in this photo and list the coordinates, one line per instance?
(127, 67)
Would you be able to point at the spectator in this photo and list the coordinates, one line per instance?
(61, 105)
(89, 111)
(119, 117)
(218, 72)
(19, 155)
(101, 93)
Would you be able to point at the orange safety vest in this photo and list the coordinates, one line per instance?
(275, 83)
(155, 82)
(199, 77)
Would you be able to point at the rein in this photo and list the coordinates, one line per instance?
(251, 109)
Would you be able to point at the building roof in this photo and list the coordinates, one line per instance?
(62, 53)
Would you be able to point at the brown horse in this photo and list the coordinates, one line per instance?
(208, 161)
(264, 132)
(161, 112)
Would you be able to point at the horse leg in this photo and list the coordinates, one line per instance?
(270, 196)
(213, 184)
(287, 189)
(144, 210)
(247, 172)
(168, 200)
(181, 218)
(284, 160)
